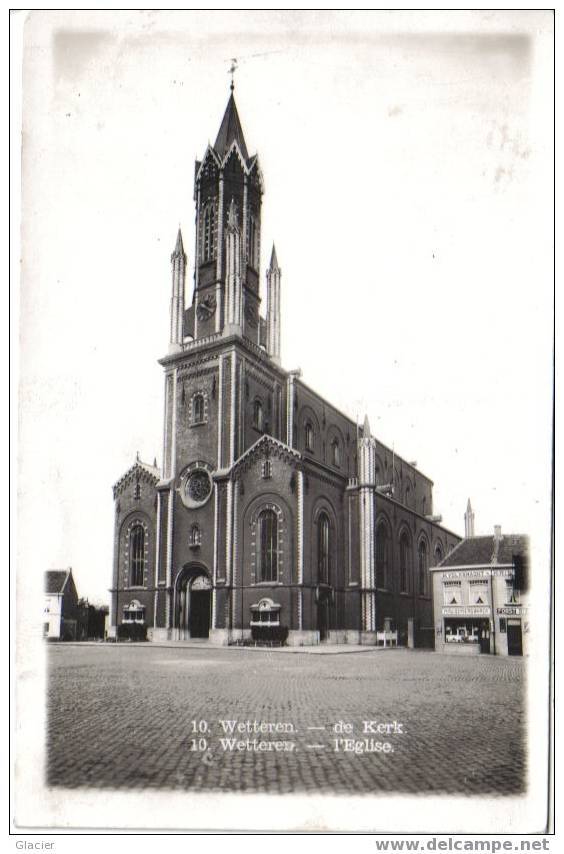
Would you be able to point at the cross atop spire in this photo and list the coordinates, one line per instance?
(232, 71)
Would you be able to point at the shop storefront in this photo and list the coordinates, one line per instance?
(479, 606)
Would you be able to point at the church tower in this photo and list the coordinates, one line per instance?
(228, 191)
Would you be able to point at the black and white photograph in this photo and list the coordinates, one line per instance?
(284, 345)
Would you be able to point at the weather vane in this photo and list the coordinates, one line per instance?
(232, 71)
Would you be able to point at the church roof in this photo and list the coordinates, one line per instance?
(151, 472)
(263, 447)
(55, 580)
(481, 551)
(230, 130)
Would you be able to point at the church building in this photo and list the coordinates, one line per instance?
(273, 513)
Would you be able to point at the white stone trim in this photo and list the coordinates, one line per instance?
(220, 412)
(232, 416)
(173, 424)
(228, 529)
(300, 527)
(169, 552)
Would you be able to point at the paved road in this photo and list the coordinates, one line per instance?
(121, 717)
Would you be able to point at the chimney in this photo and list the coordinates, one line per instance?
(497, 533)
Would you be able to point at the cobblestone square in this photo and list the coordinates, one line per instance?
(122, 716)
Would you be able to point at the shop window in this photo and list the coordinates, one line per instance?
(479, 594)
(512, 595)
(452, 594)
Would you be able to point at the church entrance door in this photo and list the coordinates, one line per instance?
(200, 611)
(193, 605)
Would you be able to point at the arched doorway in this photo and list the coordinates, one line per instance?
(193, 603)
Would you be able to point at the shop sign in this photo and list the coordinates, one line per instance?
(466, 611)
(477, 573)
(512, 611)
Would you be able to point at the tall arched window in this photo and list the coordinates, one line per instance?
(198, 409)
(422, 568)
(268, 546)
(252, 252)
(323, 548)
(382, 551)
(137, 553)
(335, 453)
(404, 562)
(208, 235)
(438, 554)
(258, 417)
(309, 436)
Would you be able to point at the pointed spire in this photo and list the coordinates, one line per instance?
(366, 428)
(230, 130)
(179, 248)
(273, 259)
(469, 521)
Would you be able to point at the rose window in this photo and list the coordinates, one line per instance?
(198, 486)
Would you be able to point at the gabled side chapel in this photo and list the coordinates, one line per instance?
(272, 508)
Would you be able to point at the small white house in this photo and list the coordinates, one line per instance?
(61, 614)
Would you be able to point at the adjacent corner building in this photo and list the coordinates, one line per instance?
(480, 595)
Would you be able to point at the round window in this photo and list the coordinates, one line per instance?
(197, 488)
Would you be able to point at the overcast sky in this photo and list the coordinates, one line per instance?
(407, 161)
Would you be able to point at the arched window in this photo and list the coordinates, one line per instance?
(382, 552)
(252, 251)
(195, 536)
(438, 554)
(422, 568)
(198, 409)
(208, 235)
(137, 555)
(268, 546)
(335, 453)
(258, 416)
(404, 562)
(323, 548)
(309, 436)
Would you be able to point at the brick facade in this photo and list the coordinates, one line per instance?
(269, 501)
